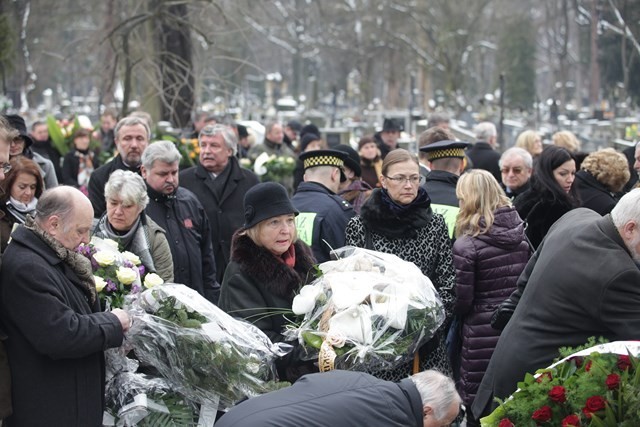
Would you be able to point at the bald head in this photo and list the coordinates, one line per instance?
(66, 214)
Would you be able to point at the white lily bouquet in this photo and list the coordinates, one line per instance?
(203, 353)
(368, 311)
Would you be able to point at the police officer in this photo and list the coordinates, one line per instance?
(446, 161)
(323, 214)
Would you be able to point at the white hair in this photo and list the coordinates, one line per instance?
(485, 131)
(627, 209)
(165, 151)
(520, 152)
(436, 390)
(128, 187)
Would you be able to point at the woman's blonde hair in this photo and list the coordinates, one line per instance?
(480, 195)
(527, 140)
(609, 167)
(566, 139)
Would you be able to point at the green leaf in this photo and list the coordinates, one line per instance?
(56, 135)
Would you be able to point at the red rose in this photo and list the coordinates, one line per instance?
(578, 360)
(571, 421)
(613, 381)
(505, 422)
(624, 362)
(594, 404)
(542, 415)
(557, 394)
(588, 366)
(543, 376)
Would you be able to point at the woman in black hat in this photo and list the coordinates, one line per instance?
(268, 266)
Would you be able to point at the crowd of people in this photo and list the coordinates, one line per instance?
(529, 248)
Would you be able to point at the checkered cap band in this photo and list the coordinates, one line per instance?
(444, 153)
(311, 162)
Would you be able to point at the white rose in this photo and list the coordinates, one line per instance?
(126, 275)
(152, 279)
(304, 302)
(100, 283)
(111, 243)
(131, 257)
(104, 258)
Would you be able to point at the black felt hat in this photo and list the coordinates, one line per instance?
(390, 125)
(264, 201)
(353, 158)
(445, 149)
(314, 158)
(17, 122)
(308, 139)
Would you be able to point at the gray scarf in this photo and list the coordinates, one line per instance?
(136, 240)
(80, 264)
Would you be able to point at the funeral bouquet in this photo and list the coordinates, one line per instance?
(116, 273)
(272, 167)
(597, 387)
(202, 352)
(367, 311)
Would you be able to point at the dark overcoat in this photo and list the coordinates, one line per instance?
(222, 199)
(581, 282)
(593, 194)
(56, 338)
(335, 398)
(483, 156)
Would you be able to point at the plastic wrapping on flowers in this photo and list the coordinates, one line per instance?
(368, 311)
(598, 386)
(202, 352)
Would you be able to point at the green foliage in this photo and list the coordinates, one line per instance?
(591, 342)
(516, 60)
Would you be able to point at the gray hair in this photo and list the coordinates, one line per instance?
(520, 152)
(128, 187)
(228, 135)
(484, 131)
(165, 151)
(56, 201)
(132, 121)
(436, 119)
(436, 390)
(269, 126)
(627, 209)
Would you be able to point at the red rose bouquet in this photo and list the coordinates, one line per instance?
(597, 387)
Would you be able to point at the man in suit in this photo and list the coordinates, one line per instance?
(220, 185)
(581, 282)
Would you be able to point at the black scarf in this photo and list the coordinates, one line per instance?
(382, 215)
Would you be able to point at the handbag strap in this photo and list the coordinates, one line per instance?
(368, 241)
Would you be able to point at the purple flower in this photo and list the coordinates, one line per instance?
(128, 263)
(141, 270)
(111, 286)
(94, 264)
(135, 289)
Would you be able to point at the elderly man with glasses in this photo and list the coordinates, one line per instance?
(220, 184)
(516, 165)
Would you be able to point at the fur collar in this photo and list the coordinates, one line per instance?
(261, 265)
(378, 217)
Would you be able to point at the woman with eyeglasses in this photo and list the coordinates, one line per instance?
(398, 219)
(22, 187)
(551, 193)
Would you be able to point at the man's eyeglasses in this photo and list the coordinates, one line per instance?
(415, 179)
(516, 170)
(6, 167)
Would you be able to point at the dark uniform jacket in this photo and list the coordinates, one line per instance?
(322, 220)
(581, 282)
(183, 218)
(334, 398)
(99, 179)
(56, 338)
(441, 188)
(222, 199)
(256, 283)
(483, 156)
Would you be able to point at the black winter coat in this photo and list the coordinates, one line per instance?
(593, 194)
(487, 268)
(256, 282)
(335, 398)
(483, 156)
(323, 218)
(539, 213)
(70, 168)
(98, 180)
(581, 282)
(183, 218)
(56, 338)
(222, 199)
